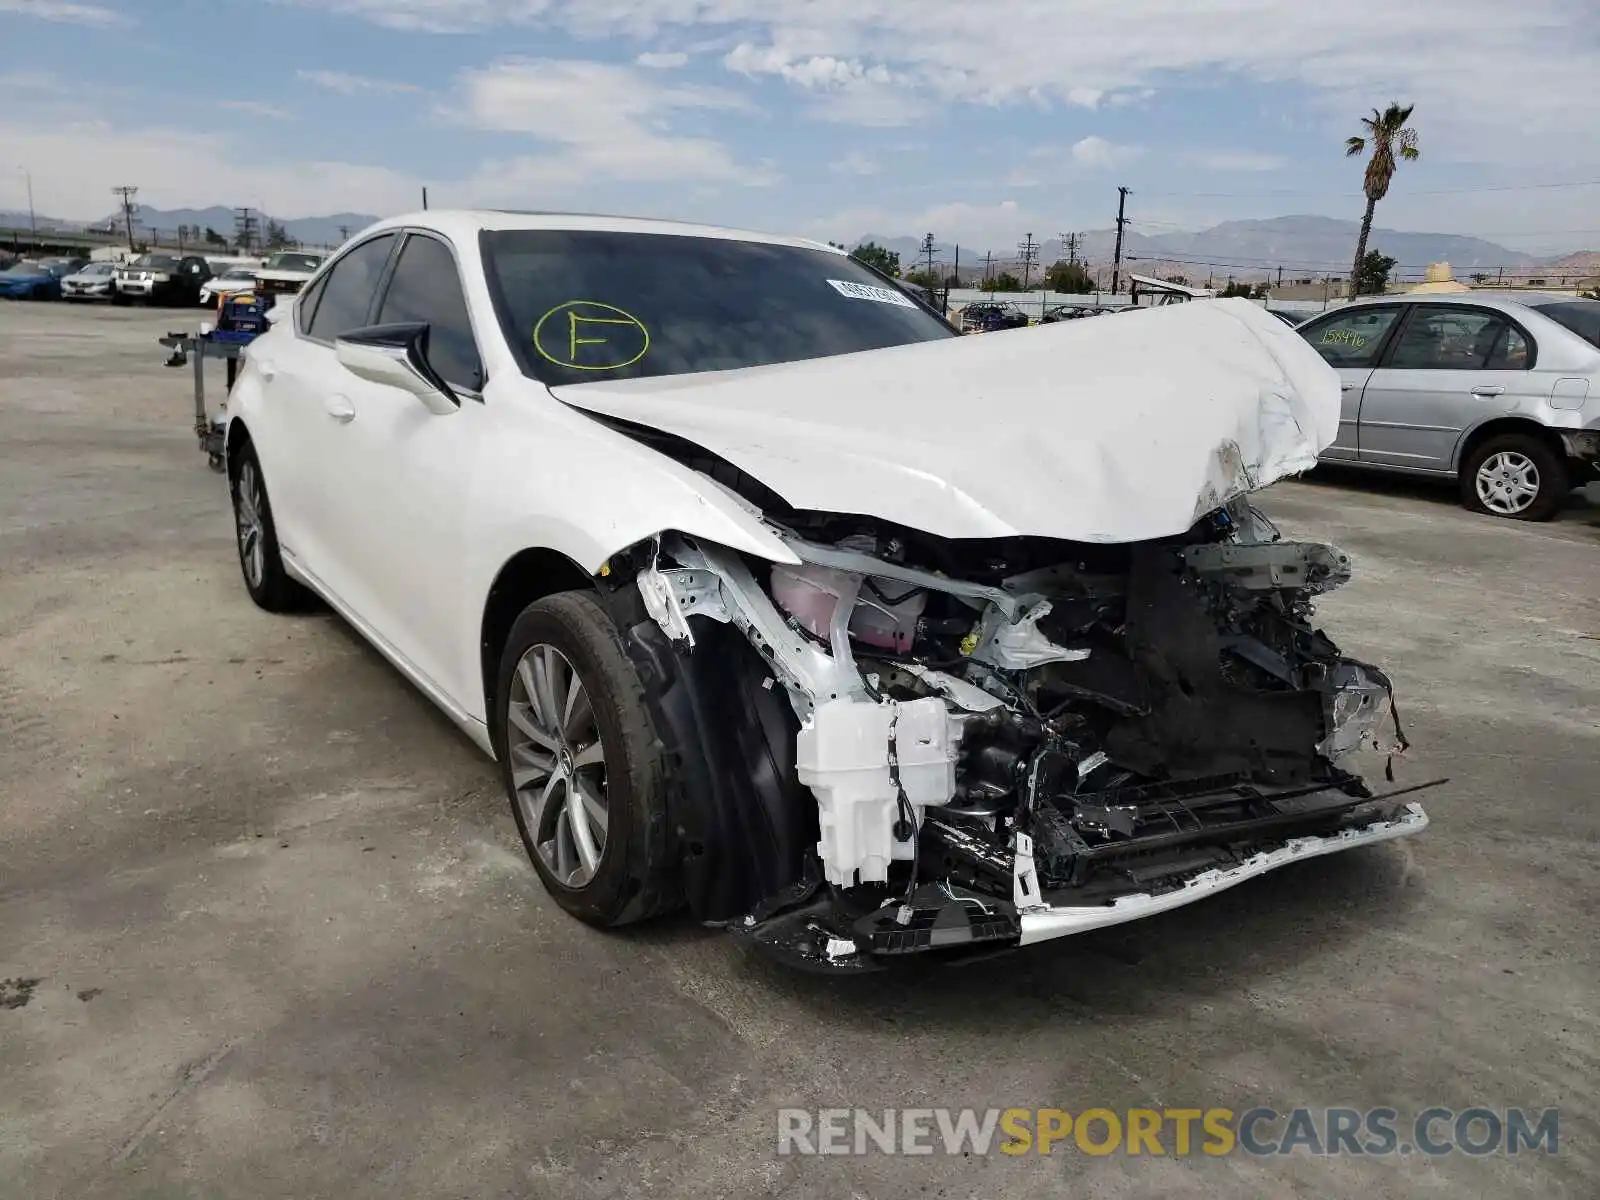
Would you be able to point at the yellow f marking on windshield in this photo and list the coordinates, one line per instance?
(574, 341)
(611, 349)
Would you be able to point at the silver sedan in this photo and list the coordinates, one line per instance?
(1500, 390)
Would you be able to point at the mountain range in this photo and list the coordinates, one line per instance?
(1303, 246)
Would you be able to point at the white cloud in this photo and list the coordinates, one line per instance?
(258, 108)
(66, 12)
(179, 168)
(602, 121)
(662, 60)
(351, 85)
(1085, 97)
(1237, 160)
(1096, 152)
(855, 163)
(1481, 78)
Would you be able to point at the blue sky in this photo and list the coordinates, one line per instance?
(828, 117)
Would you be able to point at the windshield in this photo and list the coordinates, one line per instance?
(25, 268)
(580, 306)
(240, 273)
(292, 262)
(1580, 316)
(98, 269)
(156, 262)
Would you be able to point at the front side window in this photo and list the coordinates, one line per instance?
(156, 262)
(581, 306)
(426, 286)
(346, 295)
(1458, 339)
(1352, 339)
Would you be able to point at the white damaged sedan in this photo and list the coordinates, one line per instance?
(775, 599)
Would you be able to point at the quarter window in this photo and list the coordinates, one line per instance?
(1352, 339)
(347, 296)
(426, 286)
(1458, 339)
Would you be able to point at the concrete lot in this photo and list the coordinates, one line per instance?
(286, 943)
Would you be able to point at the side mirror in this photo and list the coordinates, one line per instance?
(397, 355)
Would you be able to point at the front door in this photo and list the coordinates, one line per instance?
(396, 512)
(1450, 367)
(1351, 342)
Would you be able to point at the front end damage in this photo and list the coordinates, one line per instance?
(906, 744)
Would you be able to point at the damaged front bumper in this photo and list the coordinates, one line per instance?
(984, 765)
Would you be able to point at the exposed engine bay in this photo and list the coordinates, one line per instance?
(1001, 740)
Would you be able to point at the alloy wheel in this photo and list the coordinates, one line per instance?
(558, 765)
(1507, 482)
(252, 529)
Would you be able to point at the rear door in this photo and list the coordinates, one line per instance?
(1351, 342)
(1449, 368)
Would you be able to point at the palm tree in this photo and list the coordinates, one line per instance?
(1389, 135)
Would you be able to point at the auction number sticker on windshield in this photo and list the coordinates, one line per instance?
(865, 291)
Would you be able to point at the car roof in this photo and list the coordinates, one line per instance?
(1508, 301)
(465, 224)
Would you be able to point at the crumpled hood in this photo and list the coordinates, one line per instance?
(1121, 429)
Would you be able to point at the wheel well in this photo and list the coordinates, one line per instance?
(1504, 425)
(238, 439)
(529, 575)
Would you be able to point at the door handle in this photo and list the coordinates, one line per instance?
(1488, 389)
(1347, 387)
(339, 407)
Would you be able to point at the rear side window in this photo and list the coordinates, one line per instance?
(1580, 316)
(1458, 339)
(347, 295)
(426, 286)
(1352, 339)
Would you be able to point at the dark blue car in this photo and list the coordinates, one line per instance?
(33, 280)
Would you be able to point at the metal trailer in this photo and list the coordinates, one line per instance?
(196, 348)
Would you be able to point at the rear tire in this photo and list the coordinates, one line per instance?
(598, 763)
(260, 561)
(1516, 476)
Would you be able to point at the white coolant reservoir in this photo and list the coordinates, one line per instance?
(843, 757)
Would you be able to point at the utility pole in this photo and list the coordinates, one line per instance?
(424, 198)
(244, 229)
(1116, 261)
(927, 253)
(33, 223)
(1029, 249)
(988, 265)
(127, 194)
(1280, 277)
(344, 234)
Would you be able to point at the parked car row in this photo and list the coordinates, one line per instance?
(155, 278)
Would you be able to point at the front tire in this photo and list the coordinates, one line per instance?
(260, 561)
(1515, 476)
(582, 765)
